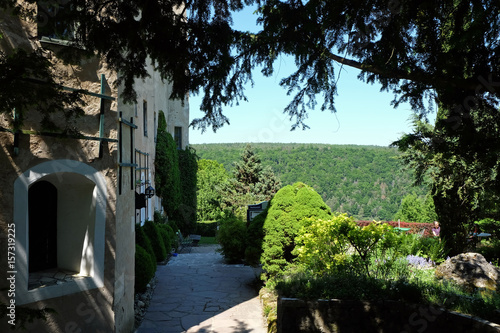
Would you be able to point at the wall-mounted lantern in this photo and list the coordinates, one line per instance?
(149, 191)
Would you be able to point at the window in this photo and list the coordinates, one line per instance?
(178, 137)
(145, 117)
(50, 21)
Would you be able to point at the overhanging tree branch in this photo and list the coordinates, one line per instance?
(428, 79)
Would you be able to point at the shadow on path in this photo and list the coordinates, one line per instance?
(197, 292)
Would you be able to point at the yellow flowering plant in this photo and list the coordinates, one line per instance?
(327, 246)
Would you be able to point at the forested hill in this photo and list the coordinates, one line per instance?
(365, 181)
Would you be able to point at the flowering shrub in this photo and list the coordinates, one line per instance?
(420, 262)
(415, 228)
(327, 246)
(320, 246)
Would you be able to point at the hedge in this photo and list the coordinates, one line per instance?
(145, 268)
(152, 231)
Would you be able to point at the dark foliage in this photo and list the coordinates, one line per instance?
(255, 237)
(188, 167)
(206, 228)
(143, 240)
(232, 238)
(145, 268)
(167, 174)
(22, 72)
(153, 233)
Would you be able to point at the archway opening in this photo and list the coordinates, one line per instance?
(42, 203)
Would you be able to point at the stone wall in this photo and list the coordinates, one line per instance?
(88, 305)
(102, 300)
(330, 316)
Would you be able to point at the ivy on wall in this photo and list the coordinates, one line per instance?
(177, 189)
(167, 174)
(188, 164)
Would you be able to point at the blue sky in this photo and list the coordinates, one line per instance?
(364, 114)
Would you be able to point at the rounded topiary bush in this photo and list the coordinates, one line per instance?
(287, 214)
(167, 235)
(145, 268)
(152, 231)
(143, 240)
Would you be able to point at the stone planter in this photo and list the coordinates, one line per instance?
(328, 316)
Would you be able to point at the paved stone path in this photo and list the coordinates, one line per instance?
(197, 292)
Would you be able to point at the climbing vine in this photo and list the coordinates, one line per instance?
(167, 174)
(188, 164)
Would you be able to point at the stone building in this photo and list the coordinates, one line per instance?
(68, 203)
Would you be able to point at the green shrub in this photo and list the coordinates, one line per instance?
(339, 245)
(167, 242)
(152, 231)
(169, 237)
(491, 226)
(145, 268)
(287, 214)
(255, 237)
(167, 173)
(173, 225)
(231, 237)
(206, 228)
(159, 217)
(143, 240)
(490, 249)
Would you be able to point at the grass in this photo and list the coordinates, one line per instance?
(207, 240)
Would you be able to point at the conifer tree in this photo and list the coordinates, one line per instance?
(251, 183)
(247, 172)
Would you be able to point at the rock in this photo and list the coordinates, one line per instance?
(470, 270)
(141, 302)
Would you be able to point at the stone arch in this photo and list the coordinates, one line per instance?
(81, 216)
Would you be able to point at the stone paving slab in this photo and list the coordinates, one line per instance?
(197, 292)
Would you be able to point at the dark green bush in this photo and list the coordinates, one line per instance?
(173, 225)
(159, 217)
(491, 226)
(169, 237)
(255, 237)
(145, 268)
(490, 249)
(167, 232)
(151, 230)
(232, 237)
(143, 240)
(287, 214)
(206, 228)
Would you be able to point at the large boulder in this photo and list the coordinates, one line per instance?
(470, 270)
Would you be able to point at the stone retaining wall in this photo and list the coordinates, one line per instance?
(327, 316)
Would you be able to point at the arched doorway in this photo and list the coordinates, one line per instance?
(42, 212)
(73, 196)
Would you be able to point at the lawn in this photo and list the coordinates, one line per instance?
(206, 240)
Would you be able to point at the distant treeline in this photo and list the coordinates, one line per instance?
(367, 182)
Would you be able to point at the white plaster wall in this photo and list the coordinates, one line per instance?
(75, 227)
